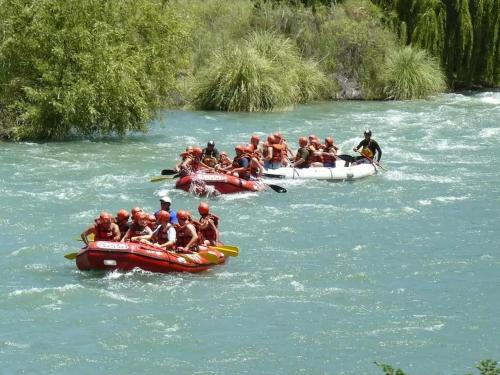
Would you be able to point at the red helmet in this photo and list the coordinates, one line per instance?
(135, 210)
(197, 151)
(254, 138)
(271, 139)
(182, 215)
(163, 215)
(329, 141)
(139, 216)
(303, 141)
(278, 136)
(239, 148)
(312, 136)
(151, 218)
(203, 208)
(105, 217)
(122, 215)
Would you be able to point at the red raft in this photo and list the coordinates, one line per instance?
(202, 183)
(109, 255)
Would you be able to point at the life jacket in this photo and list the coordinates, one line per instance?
(277, 156)
(195, 164)
(103, 234)
(209, 160)
(365, 151)
(313, 158)
(225, 163)
(161, 235)
(208, 233)
(327, 157)
(123, 226)
(183, 236)
(254, 168)
(137, 230)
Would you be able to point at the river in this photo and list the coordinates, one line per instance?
(400, 268)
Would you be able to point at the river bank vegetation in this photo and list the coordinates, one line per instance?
(93, 67)
(485, 367)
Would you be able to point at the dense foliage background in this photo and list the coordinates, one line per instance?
(92, 67)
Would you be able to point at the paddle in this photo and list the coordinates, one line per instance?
(162, 178)
(227, 250)
(277, 188)
(71, 256)
(168, 172)
(212, 258)
(371, 160)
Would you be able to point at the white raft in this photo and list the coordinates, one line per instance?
(340, 172)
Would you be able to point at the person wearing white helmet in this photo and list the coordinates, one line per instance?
(370, 149)
(165, 203)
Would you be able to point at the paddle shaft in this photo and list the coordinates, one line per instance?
(371, 160)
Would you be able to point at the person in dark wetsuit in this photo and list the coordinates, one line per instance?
(210, 155)
(369, 149)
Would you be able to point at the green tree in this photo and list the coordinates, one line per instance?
(85, 67)
(462, 34)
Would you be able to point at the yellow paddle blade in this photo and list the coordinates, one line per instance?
(70, 256)
(230, 247)
(212, 258)
(226, 251)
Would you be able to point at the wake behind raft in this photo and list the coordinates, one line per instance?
(125, 256)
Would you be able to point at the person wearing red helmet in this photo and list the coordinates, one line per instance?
(151, 221)
(121, 220)
(207, 226)
(187, 238)
(103, 230)
(285, 150)
(315, 153)
(241, 162)
(273, 155)
(254, 145)
(255, 167)
(302, 155)
(369, 149)
(329, 153)
(224, 163)
(138, 229)
(164, 235)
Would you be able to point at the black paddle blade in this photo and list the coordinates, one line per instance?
(277, 189)
(273, 175)
(168, 172)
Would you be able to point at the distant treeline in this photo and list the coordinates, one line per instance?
(95, 67)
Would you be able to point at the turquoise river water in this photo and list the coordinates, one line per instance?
(400, 268)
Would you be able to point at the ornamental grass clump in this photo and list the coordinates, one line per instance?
(264, 73)
(412, 74)
(240, 80)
